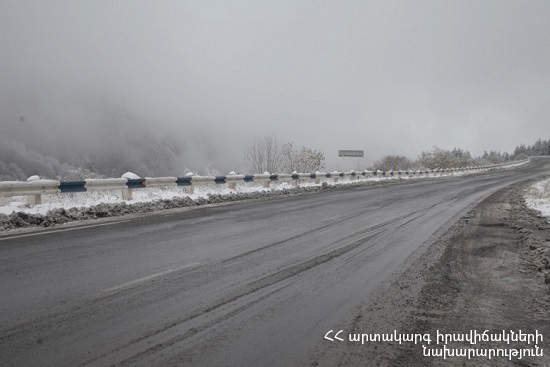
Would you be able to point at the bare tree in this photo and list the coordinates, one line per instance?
(264, 155)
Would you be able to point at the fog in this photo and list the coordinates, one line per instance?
(187, 84)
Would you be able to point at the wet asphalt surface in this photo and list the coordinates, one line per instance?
(247, 284)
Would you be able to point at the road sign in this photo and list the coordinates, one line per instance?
(351, 153)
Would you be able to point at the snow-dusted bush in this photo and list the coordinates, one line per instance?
(393, 162)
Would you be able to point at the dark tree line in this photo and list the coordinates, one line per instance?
(522, 151)
(444, 158)
(540, 147)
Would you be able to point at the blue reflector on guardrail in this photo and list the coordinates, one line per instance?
(248, 178)
(183, 181)
(72, 186)
(137, 183)
(274, 177)
(219, 179)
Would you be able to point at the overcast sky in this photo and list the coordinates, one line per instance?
(388, 77)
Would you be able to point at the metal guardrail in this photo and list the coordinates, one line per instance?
(33, 190)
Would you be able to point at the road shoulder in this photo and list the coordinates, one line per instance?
(489, 271)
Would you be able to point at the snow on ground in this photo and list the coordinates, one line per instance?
(91, 198)
(537, 197)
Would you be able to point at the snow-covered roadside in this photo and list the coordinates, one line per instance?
(63, 208)
(537, 197)
(9, 205)
(88, 199)
(61, 215)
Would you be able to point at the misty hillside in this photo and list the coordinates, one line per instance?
(84, 136)
(107, 144)
(150, 158)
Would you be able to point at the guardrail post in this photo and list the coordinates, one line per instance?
(191, 188)
(266, 179)
(232, 185)
(33, 200)
(295, 177)
(133, 183)
(126, 194)
(317, 178)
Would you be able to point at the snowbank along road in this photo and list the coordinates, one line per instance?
(248, 284)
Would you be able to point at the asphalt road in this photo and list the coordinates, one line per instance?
(248, 284)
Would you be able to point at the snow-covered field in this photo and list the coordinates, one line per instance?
(9, 205)
(537, 197)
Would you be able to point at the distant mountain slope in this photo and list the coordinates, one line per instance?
(106, 140)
